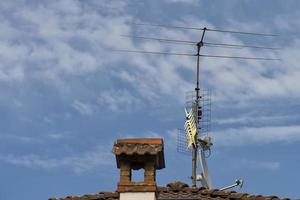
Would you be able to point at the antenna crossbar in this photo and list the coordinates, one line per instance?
(162, 39)
(155, 52)
(201, 55)
(239, 57)
(240, 46)
(207, 29)
(168, 26)
(244, 33)
(208, 44)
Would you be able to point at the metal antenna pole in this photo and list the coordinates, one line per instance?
(194, 123)
(197, 101)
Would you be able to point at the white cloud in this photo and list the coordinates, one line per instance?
(181, 1)
(119, 100)
(258, 164)
(74, 42)
(75, 39)
(71, 42)
(242, 81)
(246, 81)
(56, 136)
(255, 118)
(20, 138)
(81, 163)
(256, 135)
(83, 108)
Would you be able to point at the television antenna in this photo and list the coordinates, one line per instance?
(198, 106)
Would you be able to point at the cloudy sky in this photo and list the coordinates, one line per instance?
(65, 97)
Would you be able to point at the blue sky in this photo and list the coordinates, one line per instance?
(65, 98)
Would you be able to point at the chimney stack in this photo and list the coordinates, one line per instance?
(134, 154)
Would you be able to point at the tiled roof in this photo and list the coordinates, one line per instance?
(180, 191)
(97, 196)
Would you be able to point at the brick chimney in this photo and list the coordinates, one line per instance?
(134, 154)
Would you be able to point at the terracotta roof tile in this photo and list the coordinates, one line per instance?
(97, 196)
(158, 141)
(178, 190)
(139, 149)
(144, 146)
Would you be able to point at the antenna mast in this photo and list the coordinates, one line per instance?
(197, 110)
(197, 100)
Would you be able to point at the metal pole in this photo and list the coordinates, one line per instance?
(197, 101)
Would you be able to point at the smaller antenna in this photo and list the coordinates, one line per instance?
(238, 182)
(205, 119)
(187, 139)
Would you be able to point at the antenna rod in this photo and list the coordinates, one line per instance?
(206, 29)
(208, 44)
(197, 89)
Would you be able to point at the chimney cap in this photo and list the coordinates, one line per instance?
(157, 141)
(139, 149)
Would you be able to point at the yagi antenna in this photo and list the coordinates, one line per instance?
(194, 116)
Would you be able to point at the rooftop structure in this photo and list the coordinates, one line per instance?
(148, 154)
